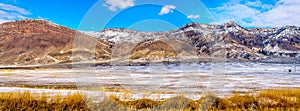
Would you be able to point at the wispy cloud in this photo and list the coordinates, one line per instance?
(2, 21)
(193, 16)
(9, 12)
(114, 5)
(284, 12)
(259, 5)
(234, 11)
(167, 9)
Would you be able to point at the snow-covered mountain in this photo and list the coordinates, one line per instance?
(237, 42)
(43, 42)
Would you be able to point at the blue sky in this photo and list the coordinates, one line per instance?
(152, 15)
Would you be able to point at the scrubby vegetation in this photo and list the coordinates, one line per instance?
(280, 99)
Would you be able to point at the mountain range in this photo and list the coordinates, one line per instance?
(32, 42)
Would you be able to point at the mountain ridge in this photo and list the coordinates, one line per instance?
(284, 40)
(27, 42)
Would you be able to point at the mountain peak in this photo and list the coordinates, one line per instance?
(32, 23)
(290, 27)
(192, 24)
(27, 21)
(232, 23)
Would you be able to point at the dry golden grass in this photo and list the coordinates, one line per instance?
(28, 101)
(267, 100)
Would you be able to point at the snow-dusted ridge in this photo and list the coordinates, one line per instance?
(274, 41)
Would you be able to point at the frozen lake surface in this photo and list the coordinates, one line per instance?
(187, 78)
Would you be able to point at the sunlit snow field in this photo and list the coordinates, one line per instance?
(157, 80)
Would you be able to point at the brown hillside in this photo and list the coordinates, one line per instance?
(40, 42)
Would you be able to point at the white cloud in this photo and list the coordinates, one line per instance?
(193, 16)
(167, 9)
(9, 12)
(2, 21)
(258, 4)
(114, 5)
(8, 7)
(284, 12)
(234, 11)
